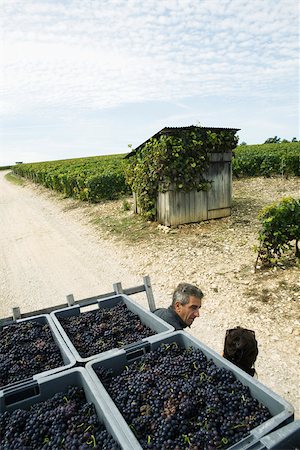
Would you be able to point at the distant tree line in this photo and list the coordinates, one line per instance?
(275, 140)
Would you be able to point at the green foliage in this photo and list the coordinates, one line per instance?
(267, 160)
(5, 167)
(126, 205)
(12, 178)
(94, 178)
(178, 159)
(280, 225)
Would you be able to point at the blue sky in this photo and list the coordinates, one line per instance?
(88, 77)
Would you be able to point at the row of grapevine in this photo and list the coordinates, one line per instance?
(93, 178)
(5, 167)
(280, 226)
(267, 159)
(103, 177)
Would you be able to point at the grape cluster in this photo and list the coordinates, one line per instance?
(100, 330)
(64, 421)
(27, 348)
(176, 399)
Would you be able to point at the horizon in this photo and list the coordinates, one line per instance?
(82, 79)
(125, 153)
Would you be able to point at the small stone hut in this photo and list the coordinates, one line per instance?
(178, 207)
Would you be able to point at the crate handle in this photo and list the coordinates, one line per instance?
(11, 320)
(136, 350)
(23, 391)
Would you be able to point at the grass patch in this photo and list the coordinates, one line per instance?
(15, 179)
(125, 226)
(245, 208)
(264, 295)
(75, 204)
(290, 287)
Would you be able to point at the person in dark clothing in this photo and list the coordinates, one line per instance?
(240, 348)
(186, 302)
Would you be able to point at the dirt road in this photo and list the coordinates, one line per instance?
(45, 254)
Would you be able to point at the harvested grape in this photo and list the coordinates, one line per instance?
(97, 331)
(176, 399)
(27, 348)
(65, 421)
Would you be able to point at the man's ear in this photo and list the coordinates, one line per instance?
(177, 306)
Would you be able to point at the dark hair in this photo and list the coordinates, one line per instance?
(240, 347)
(184, 291)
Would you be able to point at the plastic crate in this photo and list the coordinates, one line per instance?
(285, 438)
(282, 412)
(160, 328)
(23, 396)
(67, 356)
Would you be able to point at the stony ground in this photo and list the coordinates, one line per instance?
(217, 256)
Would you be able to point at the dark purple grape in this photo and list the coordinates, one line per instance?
(100, 330)
(65, 421)
(27, 348)
(174, 398)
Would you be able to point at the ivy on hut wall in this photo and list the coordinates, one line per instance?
(179, 158)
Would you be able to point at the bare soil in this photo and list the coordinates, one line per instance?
(51, 247)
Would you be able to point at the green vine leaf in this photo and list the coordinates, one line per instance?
(180, 160)
(280, 225)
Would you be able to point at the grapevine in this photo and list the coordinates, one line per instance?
(280, 226)
(93, 179)
(267, 160)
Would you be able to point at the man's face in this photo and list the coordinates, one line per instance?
(190, 311)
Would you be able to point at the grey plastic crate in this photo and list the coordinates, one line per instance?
(282, 412)
(285, 438)
(23, 396)
(67, 356)
(160, 328)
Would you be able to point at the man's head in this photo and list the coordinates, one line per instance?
(187, 301)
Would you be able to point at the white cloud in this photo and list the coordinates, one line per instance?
(84, 55)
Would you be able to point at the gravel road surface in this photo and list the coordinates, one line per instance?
(45, 254)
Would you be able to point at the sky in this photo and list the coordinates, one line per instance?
(90, 77)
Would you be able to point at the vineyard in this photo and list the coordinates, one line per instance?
(104, 177)
(93, 178)
(267, 160)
